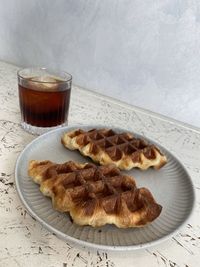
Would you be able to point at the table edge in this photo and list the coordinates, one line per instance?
(139, 109)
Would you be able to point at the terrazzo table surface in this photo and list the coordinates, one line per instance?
(24, 242)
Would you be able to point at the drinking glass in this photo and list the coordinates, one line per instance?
(44, 98)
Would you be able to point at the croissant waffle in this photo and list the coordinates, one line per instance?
(106, 146)
(95, 195)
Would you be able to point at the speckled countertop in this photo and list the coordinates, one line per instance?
(24, 242)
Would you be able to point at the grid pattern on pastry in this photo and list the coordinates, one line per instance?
(95, 195)
(123, 149)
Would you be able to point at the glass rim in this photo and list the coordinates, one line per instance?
(44, 68)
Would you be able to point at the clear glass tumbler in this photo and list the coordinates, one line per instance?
(44, 97)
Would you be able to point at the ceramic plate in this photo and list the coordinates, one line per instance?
(171, 186)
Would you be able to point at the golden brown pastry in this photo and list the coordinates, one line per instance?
(95, 195)
(105, 146)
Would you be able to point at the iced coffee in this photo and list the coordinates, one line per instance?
(44, 98)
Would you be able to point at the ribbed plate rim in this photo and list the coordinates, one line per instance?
(91, 245)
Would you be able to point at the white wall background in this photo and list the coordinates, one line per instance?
(146, 53)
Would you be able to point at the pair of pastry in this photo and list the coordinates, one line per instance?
(98, 195)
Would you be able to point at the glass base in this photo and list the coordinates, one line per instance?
(39, 130)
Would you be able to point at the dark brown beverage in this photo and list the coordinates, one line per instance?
(44, 105)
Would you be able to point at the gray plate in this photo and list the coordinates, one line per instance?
(171, 187)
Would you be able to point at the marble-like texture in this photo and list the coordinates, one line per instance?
(24, 242)
(143, 52)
